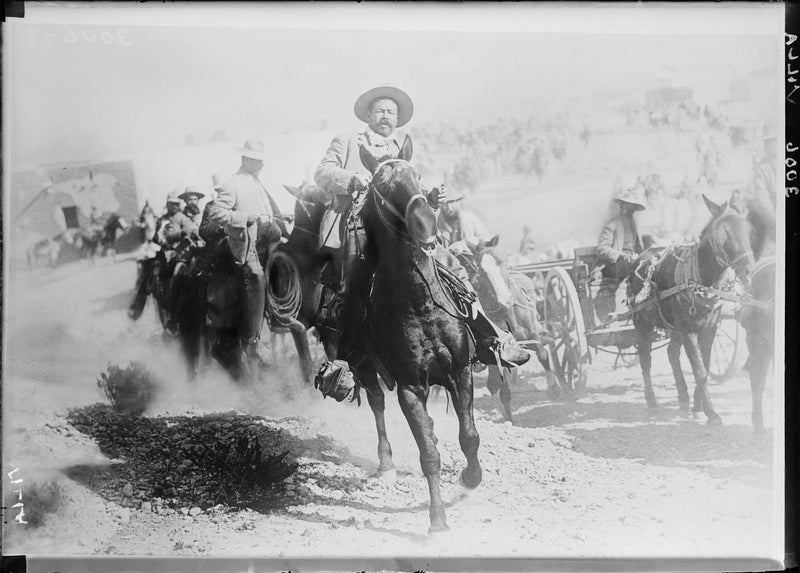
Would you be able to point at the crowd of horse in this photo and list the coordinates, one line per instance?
(416, 338)
(92, 241)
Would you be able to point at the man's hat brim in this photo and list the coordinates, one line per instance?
(251, 153)
(454, 197)
(186, 194)
(639, 206)
(405, 107)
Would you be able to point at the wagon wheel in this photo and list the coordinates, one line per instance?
(564, 321)
(725, 361)
(538, 287)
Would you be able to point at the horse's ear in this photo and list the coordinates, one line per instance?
(491, 243)
(367, 159)
(716, 210)
(407, 150)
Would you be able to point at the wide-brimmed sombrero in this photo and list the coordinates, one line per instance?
(252, 148)
(174, 196)
(405, 107)
(192, 190)
(631, 197)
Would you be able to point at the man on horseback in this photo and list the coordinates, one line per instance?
(160, 242)
(254, 226)
(183, 225)
(618, 246)
(459, 226)
(342, 175)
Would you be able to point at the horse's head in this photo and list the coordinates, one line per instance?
(309, 206)
(488, 273)
(729, 236)
(398, 199)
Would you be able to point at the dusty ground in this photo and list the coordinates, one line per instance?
(592, 476)
(588, 477)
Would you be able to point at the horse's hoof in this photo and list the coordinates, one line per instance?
(652, 406)
(684, 406)
(388, 477)
(471, 480)
(553, 392)
(715, 421)
(438, 528)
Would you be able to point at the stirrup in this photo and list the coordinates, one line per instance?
(501, 347)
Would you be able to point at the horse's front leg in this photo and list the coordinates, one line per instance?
(462, 394)
(674, 355)
(369, 379)
(698, 349)
(413, 403)
(644, 344)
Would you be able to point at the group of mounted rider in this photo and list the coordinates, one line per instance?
(385, 266)
(243, 223)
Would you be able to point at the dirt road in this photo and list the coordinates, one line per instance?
(594, 476)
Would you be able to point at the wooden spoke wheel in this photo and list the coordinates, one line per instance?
(564, 321)
(538, 286)
(727, 350)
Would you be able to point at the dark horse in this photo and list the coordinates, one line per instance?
(508, 300)
(678, 303)
(101, 238)
(758, 317)
(414, 335)
(295, 275)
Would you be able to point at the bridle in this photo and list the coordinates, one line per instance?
(382, 203)
(717, 245)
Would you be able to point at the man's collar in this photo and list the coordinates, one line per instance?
(373, 136)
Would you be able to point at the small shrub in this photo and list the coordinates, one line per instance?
(130, 390)
(203, 461)
(39, 499)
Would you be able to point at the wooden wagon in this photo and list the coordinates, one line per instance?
(567, 291)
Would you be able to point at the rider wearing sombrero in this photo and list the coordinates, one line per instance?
(184, 224)
(345, 179)
(618, 246)
(247, 214)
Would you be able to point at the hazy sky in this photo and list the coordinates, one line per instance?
(74, 96)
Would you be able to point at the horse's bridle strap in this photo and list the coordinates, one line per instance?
(384, 202)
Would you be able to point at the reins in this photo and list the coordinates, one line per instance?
(688, 266)
(384, 202)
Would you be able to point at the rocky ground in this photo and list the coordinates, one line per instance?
(589, 475)
(593, 475)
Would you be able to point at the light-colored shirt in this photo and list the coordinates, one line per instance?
(466, 227)
(342, 160)
(242, 195)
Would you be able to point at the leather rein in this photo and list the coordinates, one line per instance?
(384, 203)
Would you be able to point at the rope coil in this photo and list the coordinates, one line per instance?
(283, 308)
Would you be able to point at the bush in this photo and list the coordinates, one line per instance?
(231, 459)
(130, 390)
(38, 498)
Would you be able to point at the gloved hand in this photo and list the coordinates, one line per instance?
(437, 196)
(360, 181)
